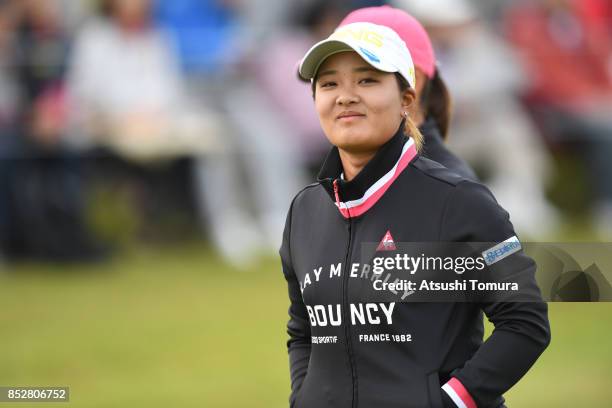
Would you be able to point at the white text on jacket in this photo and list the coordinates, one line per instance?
(360, 313)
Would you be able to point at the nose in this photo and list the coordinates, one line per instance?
(347, 98)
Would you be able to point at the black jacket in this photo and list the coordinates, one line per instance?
(416, 200)
(436, 150)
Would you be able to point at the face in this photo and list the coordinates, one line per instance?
(41, 13)
(131, 12)
(359, 107)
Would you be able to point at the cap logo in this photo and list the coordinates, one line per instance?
(412, 74)
(362, 34)
(378, 45)
(371, 56)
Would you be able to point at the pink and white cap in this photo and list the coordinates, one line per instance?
(378, 45)
(407, 27)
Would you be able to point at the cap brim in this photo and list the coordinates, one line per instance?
(315, 57)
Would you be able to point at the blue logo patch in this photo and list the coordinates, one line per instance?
(501, 250)
(371, 56)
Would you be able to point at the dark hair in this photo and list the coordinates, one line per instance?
(105, 8)
(311, 14)
(437, 103)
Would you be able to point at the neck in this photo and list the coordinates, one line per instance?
(353, 163)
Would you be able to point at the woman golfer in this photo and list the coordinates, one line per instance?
(346, 350)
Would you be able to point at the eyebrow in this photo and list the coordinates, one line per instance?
(358, 69)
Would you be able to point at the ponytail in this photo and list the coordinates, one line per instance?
(437, 103)
(411, 130)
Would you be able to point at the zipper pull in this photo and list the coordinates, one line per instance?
(336, 193)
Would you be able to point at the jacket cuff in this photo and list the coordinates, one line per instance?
(458, 394)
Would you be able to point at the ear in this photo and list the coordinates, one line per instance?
(408, 99)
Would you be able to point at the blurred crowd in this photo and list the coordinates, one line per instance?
(197, 102)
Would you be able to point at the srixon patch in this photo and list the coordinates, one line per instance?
(359, 314)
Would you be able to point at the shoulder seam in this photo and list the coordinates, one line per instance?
(312, 185)
(460, 180)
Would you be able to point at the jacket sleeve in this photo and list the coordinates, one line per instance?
(298, 327)
(521, 328)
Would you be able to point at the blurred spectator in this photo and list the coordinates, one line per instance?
(260, 172)
(129, 94)
(489, 127)
(125, 86)
(566, 46)
(10, 96)
(142, 94)
(41, 183)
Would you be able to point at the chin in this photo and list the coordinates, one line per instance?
(357, 140)
(357, 143)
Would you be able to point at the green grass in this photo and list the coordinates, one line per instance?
(178, 328)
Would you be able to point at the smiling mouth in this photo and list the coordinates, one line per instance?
(350, 116)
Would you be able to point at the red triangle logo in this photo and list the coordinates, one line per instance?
(387, 243)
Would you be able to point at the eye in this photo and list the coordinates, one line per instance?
(367, 81)
(327, 84)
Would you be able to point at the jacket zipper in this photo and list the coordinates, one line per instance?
(345, 303)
